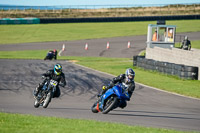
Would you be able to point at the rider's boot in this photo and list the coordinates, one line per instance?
(37, 89)
(99, 95)
(104, 89)
(103, 92)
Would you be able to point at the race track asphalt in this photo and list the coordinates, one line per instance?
(96, 47)
(147, 107)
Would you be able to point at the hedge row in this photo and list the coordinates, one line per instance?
(182, 71)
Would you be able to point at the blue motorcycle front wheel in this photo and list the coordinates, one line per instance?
(109, 104)
(94, 107)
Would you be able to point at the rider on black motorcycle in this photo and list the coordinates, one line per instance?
(51, 55)
(126, 79)
(55, 74)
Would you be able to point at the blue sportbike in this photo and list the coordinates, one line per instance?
(113, 98)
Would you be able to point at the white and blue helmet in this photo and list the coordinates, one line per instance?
(130, 74)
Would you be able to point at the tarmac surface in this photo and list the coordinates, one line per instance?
(148, 106)
(97, 47)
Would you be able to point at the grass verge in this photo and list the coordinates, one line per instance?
(10, 34)
(117, 66)
(17, 123)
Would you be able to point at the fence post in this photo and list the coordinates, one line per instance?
(143, 10)
(169, 9)
(177, 7)
(185, 7)
(61, 10)
(160, 8)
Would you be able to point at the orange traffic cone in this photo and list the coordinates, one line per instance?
(108, 45)
(86, 46)
(129, 45)
(63, 48)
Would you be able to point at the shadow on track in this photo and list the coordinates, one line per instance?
(153, 114)
(68, 109)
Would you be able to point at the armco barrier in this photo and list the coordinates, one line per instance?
(19, 21)
(182, 71)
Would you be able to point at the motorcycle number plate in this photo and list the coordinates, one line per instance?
(53, 83)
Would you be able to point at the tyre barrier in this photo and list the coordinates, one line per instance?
(180, 70)
(117, 19)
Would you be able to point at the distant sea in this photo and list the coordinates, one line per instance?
(14, 7)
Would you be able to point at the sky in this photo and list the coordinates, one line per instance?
(92, 2)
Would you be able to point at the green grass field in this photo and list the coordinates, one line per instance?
(10, 34)
(16, 123)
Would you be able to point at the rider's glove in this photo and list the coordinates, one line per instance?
(43, 77)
